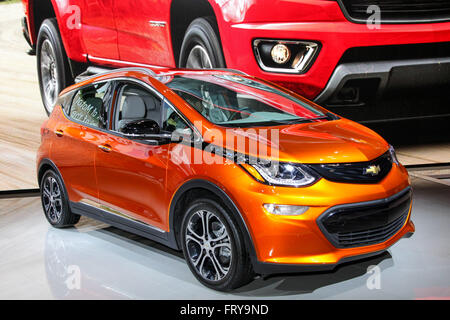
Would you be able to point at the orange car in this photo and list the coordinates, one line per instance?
(242, 175)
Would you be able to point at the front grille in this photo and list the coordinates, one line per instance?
(398, 11)
(363, 224)
(356, 172)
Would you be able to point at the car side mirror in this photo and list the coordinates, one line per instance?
(141, 127)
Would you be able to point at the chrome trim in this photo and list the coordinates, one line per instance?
(92, 72)
(300, 67)
(363, 70)
(126, 63)
(160, 24)
(117, 213)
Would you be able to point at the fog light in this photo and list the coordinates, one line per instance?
(285, 56)
(285, 210)
(280, 53)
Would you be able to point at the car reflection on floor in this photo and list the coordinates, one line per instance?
(96, 261)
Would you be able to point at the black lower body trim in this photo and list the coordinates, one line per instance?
(266, 268)
(138, 228)
(21, 193)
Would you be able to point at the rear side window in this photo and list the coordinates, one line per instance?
(64, 101)
(89, 106)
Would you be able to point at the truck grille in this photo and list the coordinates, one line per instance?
(398, 11)
(363, 224)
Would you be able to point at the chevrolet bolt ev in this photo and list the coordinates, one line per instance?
(243, 176)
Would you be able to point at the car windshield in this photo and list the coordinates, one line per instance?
(239, 101)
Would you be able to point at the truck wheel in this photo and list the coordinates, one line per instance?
(201, 48)
(52, 64)
(213, 246)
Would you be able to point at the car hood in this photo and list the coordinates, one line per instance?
(336, 141)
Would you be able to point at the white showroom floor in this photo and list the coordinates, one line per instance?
(40, 262)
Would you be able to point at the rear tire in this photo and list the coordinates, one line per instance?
(55, 201)
(52, 64)
(201, 48)
(220, 259)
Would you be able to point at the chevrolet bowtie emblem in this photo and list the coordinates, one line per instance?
(372, 170)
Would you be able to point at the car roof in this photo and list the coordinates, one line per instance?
(144, 74)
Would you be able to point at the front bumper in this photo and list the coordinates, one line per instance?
(297, 243)
(343, 256)
(335, 34)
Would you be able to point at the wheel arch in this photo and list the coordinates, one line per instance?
(44, 166)
(39, 10)
(203, 187)
(182, 13)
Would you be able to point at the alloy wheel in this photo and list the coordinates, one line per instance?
(198, 58)
(49, 74)
(208, 245)
(52, 199)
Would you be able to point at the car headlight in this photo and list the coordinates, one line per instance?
(393, 154)
(282, 174)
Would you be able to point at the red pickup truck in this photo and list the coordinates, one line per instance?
(343, 54)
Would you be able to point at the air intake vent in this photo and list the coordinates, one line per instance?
(398, 11)
(363, 224)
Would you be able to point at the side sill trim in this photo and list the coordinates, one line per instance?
(138, 228)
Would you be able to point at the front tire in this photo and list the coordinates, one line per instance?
(214, 247)
(52, 64)
(55, 201)
(201, 48)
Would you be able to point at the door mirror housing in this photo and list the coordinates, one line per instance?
(141, 127)
(147, 129)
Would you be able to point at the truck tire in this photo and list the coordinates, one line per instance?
(201, 48)
(52, 64)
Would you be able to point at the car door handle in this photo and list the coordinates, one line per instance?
(105, 147)
(59, 133)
